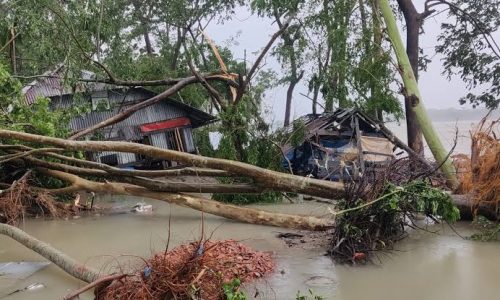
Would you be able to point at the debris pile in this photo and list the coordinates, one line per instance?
(20, 200)
(192, 271)
(376, 212)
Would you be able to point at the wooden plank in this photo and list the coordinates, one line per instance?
(358, 142)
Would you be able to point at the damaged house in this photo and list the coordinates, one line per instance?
(167, 124)
(338, 146)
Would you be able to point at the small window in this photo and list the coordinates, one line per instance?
(100, 101)
(111, 159)
(100, 104)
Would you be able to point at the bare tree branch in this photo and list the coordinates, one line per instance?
(257, 62)
(240, 213)
(271, 179)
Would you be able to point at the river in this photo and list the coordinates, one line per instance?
(447, 132)
(425, 266)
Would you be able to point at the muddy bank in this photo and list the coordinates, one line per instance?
(464, 269)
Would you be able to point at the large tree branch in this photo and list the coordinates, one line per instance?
(271, 179)
(185, 171)
(213, 76)
(9, 157)
(154, 185)
(253, 69)
(216, 97)
(408, 8)
(134, 108)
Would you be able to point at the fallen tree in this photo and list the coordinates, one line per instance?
(240, 213)
(142, 183)
(412, 92)
(266, 178)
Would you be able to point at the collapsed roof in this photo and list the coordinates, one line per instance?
(341, 122)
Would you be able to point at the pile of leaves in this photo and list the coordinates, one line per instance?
(199, 270)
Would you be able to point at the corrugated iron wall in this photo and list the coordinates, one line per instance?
(127, 129)
(159, 140)
(154, 113)
(188, 138)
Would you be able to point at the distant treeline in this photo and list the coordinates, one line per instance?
(453, 114)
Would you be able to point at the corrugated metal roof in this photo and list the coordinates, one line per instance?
(51, 85)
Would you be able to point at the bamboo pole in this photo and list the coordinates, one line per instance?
(412, 91)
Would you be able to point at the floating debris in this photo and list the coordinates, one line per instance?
(142, 207)
(20, 270)
(31, 287)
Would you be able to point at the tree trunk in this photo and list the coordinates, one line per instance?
(143, 19)
(466, 206)
(68, 264)
(147, 41)
(181, 33)
(413, 24)
(412, 91)
(315, 100)
(13, 54)
(377, 53)
(288, 108)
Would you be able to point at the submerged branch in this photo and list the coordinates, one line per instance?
(68, 264)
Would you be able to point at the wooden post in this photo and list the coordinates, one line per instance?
(360, 148)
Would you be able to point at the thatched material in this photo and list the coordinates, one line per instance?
(486, 167)
(480, 174)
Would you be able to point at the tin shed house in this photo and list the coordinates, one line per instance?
(342, 145)
(167, 124)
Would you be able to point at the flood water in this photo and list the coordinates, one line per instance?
(426, 266)
(447, 132)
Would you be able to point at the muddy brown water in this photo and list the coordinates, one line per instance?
(426, 265)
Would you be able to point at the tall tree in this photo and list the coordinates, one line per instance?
(290, 51)
(412, 90)
(414, 21)
(467, 46)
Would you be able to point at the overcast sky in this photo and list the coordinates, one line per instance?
(252, 33)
